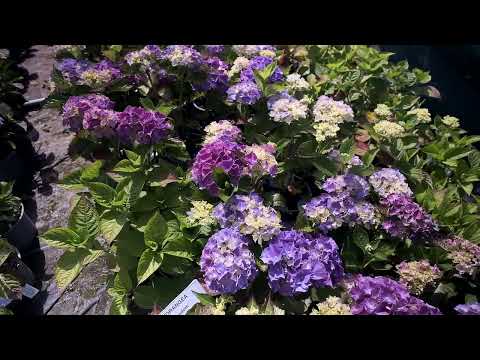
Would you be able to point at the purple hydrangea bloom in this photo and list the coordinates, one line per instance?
(100, 122)
(100, 74)
(252, 50)
(214, 49)
(244, 93)
(260, 63)
(260, 160)
(405, 218)
(351, 184)
(145, 56)
(217, 75)
(72, 69)
(222, 129)
(76, 106)
(464, 254)
(468, 309)
(227, 263)
(144, 126)
(223, 154)
(297, 261)
(250, 216)
(389, 181)
(182, 55)
(380, 295)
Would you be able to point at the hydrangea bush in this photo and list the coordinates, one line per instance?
(286, 179)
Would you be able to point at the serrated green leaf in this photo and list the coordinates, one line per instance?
(9, 286)
(111, 224)
(62, 238)
(73, 181)
(102, 193)
(149, 262)
(125, 166)
(5, 250)
(92, 172)
(84, 216)
(155, 231)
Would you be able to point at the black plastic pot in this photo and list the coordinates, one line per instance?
(23, 233)
(11, 168)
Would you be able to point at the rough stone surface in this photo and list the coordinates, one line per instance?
(50, 205)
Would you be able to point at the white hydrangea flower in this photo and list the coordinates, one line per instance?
(239, 64)
(330, 111)
(422, 115)
(332, 306)
(267, 53)
(325, 130)
(451, 121)
(295, 82)
(383, 112)
(287, 110)
(216, 129)
(389, 129)
(201, 213)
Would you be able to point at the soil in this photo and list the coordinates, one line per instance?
(49, 204)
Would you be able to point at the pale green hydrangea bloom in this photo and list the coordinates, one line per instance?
(383, 112)
(201, 213)
(451, 121)
(389, 129)
(332, 306)
(422, 115)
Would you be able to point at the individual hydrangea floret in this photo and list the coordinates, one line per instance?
(227, 263)
(389, 129)
(297, 261)
(383, 112)
(245, 92)
(222, 129)
(201, 213)
(324, 131)
(405, 218)
(336, 156)
(380, 295)
(222, 154)
(76, 106)
(464, 254)
(333, 305)
(285, 108)
(182, 55)
(141, 125)
(451, 121)
(295, 82)
(468, 309)
(260, 160)
(250, 216)
(389, 181)
(422, 115)
(417, 275)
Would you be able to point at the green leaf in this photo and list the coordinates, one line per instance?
(9, 286)
(161, 292)
(102, 193)
(205, 299)
(84, 217)
(125, 166)
(5, 250)
(92, 172)
(135, 158)
(73, 181)
(111, 224)
(62, 238)
(69, 267)
(360, 238)
(119, 303)
(147, 103)
(149, 262)
(155, 231)
(130, 242)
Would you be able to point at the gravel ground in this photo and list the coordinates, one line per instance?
(50, 205)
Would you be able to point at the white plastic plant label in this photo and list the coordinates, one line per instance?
(185, 300)
(29, 291)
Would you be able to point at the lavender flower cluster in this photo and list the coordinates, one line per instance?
(405, 218)
(468, 309)
(343, 203)
(464, 254)
(221, 150)
(389, 181)
(297, 261)
(95, 113)
(227, 263)
(250, 216)
(380, 295)
(94, 75)
(417, 275)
